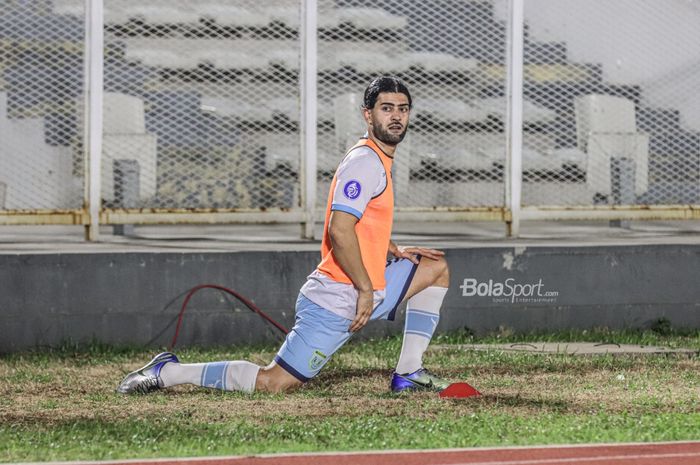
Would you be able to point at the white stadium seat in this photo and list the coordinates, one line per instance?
(232, 58)
(69, 7)
(289, 16)
(368, 61)
(222, 53)
(532, 113)
(231, 15)
(371, 18)
(113, 15)
(433, 61)
(597, 113)
(157, 57)
(451, 110)
(34, 174)
(163, 14)
(235, 108)
(606, 129)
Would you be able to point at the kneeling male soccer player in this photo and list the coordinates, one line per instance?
(354, 283)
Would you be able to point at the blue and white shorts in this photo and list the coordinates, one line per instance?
(318, 333)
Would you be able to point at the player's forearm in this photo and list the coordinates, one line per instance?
(346, 250)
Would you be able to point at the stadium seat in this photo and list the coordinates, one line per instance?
(606, 129)
(267, 52)
(69, 7)
(440, 62)
(603, 114)
(375, 62)
(370, 18)
(160, 58)
(155, 13)
(237, 108)
(221, 53)
(282, 149)
(125, 138)
(231, 15)
(34, 175)
(290, 16)
(539, 74)
(363, 61)
(553, 161)
(532, 113)
(566, 156)
(19, 24)
(231, 58)
(449, 110)
(163, 14)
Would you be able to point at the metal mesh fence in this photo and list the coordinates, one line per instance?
(619, 82)
(202, 101)
(41, 87)
(203, 98)
(451, 54)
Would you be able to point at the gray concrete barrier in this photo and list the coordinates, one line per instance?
(134, 298)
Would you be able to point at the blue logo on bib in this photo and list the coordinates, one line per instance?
(352, 189)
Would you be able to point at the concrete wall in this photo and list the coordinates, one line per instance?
(132, 298)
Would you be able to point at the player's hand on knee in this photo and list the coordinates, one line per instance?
(412, 252)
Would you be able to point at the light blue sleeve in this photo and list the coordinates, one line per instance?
(359, 177)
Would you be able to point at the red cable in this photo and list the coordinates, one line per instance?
(245, 301)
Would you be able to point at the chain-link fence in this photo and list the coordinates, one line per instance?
(621, 81)
(451, 54)
(202, 101)
(41, 93)
(204, 97)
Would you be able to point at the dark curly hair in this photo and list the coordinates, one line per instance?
(384, 84)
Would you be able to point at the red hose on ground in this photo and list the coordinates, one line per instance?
(238, 296)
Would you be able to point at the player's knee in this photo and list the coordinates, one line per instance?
(277, 387)
(442, 273)
(272, 380)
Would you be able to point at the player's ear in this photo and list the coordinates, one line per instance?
(367, 115)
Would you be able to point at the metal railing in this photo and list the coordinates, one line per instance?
(116, 112)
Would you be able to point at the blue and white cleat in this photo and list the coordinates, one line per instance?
(147, 378)
(419, 380)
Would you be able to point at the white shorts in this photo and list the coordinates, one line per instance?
(318, 333)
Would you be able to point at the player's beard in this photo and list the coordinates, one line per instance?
(387, 137)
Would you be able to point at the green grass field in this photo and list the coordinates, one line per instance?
(61, 405)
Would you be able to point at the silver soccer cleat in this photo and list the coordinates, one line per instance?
(147, 378)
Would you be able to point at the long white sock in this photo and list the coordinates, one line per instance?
(422, 316)
(228, 376)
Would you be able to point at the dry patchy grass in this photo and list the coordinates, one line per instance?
(67, 390)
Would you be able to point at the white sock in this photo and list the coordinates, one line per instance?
(228, 376)
(422, 316)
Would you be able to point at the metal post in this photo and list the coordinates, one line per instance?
(94, 77)
(622, 180)
(309, 154)
(514, 124)
(127, 191)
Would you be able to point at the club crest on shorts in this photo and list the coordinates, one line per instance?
(317, 360)
(352, 189)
